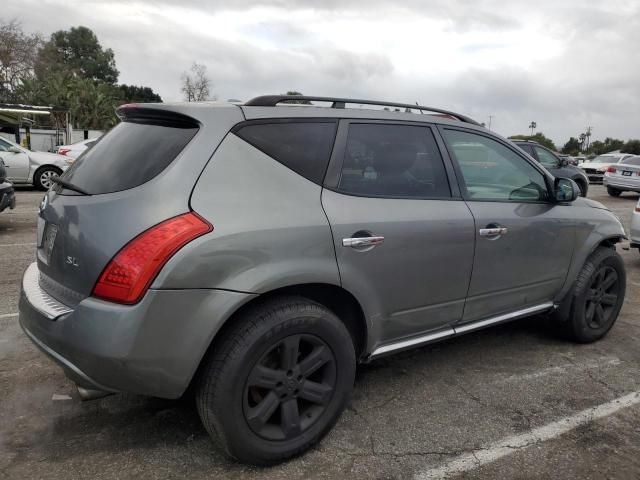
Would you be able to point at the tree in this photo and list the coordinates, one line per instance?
(77, 51)
(572, 147)
(299, 102)
(133, 93)
(538, 137)
(632, 146)
(18, 53)
(609, 145)
(196, 86)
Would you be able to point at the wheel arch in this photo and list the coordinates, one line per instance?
(337, 299)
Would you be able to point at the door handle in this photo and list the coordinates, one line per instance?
(362, 242)
(493, 232)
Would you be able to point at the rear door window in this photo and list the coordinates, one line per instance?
(130, 154)
(302, 146)
(385, 160)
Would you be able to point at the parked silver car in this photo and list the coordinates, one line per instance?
(595, 168)
(257, 253)
(623, 177)
(33, 168)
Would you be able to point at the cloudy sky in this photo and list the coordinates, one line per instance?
(564, 63)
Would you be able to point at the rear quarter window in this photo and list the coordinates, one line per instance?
(302, 146)
(130, 154)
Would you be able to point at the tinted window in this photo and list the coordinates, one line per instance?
(631, 161)
(527, 148)
(491, 171)
(304, 147)
(546, 158)
(129, 155)
(393, 161)
(4, 146)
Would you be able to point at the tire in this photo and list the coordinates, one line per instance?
(42, 177)
(597, 297)
(247, 374)
(613, 192)
(583, 189)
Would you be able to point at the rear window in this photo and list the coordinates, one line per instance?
(304, 147)
(631, 161)
(129, 155)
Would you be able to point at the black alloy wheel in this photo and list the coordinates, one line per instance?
(290, 387)
(602, 297)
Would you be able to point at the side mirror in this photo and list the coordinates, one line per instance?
(564, 162)
(565, 190)
(13, 149)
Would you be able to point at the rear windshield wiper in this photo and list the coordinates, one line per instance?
(69, 186)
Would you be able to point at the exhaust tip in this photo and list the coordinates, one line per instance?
(91, 394)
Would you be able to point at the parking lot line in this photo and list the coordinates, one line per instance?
(18, 244)
(9, 315)
(509, 445)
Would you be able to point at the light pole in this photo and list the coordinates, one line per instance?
(532, 126)
(490, 118)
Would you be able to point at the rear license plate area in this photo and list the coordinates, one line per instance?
(48, 240)
(626, 173)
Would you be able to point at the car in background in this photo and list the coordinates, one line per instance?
(623, 177)
(596, 167)
(7, 195)
(75, 149)
(557, 166)
(25, 166)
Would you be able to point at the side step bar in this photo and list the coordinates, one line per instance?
(458, 330)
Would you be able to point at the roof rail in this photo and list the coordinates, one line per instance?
(273, 100)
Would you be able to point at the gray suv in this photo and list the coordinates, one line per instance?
(258, 252)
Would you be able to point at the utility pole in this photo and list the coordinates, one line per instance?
(587, 136)
(490, 118)
(532, 126)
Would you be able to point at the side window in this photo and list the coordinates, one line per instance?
(526, 148)
(4, 146)
(393, 161)
(304, 147)
(547, 158)
(491, 171)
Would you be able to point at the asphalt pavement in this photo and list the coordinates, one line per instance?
(513, 401)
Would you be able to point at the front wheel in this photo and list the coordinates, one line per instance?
(597, 297)
(43, 178)
(277, 381)
(613, 192)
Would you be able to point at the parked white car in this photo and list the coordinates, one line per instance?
(75, 149)
(33, 168)
(596, 167)
(623, 177)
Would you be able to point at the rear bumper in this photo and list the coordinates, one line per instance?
(627, 185)
(151, 348)
(7, 196)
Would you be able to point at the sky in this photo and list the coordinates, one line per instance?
(565, 64)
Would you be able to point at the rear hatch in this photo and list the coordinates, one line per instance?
(139, 174)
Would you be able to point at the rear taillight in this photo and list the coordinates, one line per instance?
(611, 169)
(63, 151)
(128, 275)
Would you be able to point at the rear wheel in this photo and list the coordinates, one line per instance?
(43, 178)
(597, 297)
(277, 382)
(613, 192)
